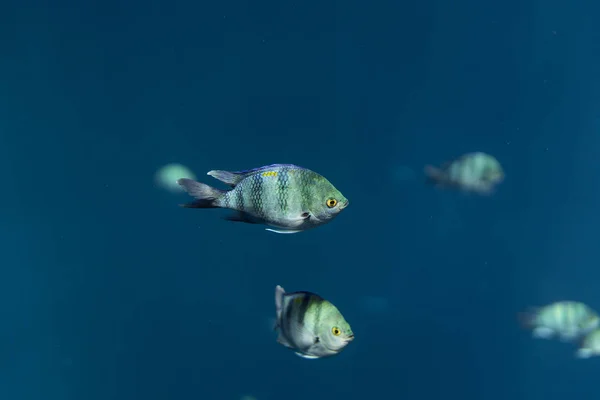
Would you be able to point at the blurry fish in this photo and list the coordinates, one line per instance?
(167, 176)
(567, 320)
(287, 197)
(310, 325)
(590, 345)
(472, 172)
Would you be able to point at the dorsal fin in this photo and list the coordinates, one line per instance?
(266, 168)
(233, 178)
(229, 178)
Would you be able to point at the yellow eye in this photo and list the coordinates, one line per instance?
(331, 203)
(336, 331)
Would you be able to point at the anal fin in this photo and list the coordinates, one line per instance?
(199, 203)
(241, 216)
(542, 332)
(584, 353)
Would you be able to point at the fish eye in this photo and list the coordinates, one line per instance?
(331, 203)
(336, 331)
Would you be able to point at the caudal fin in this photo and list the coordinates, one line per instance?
(434, 175)
(527, 318)
(205, 196)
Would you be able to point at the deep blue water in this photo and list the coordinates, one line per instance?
(110, 291)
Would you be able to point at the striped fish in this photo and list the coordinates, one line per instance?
(473, 172)
(567, 320)
(284, 196)
(310, 325)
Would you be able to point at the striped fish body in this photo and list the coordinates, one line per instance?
(567, 320)
(310, 325)
(298, 320)
(472, 172)
(283, 196)
(474, 167)
(277, 196)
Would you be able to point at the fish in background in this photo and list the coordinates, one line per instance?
(310, 325)
(166, 177)
(476, 172)
(286, 197)
(566, 320)
(589, 345)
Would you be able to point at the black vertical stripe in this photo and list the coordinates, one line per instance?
(302, 308)
(239, 196)
(283, 189)
(226, 199)
(293, 315)
(303, 181)
(318, 310)
(256, 195)
(286, 326)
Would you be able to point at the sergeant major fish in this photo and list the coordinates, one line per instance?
(567, 320)
(473, 172)
(286, 197)
(310, 325)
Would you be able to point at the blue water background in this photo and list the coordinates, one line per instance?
(110, 291)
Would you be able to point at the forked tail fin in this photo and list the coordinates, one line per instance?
(205, 196)
(433, 174)
(527, 318)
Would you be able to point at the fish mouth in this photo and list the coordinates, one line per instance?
(344, 204)
(341, 346)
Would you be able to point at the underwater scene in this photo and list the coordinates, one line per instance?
(294, 200)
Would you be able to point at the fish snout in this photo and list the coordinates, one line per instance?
(344, 204)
